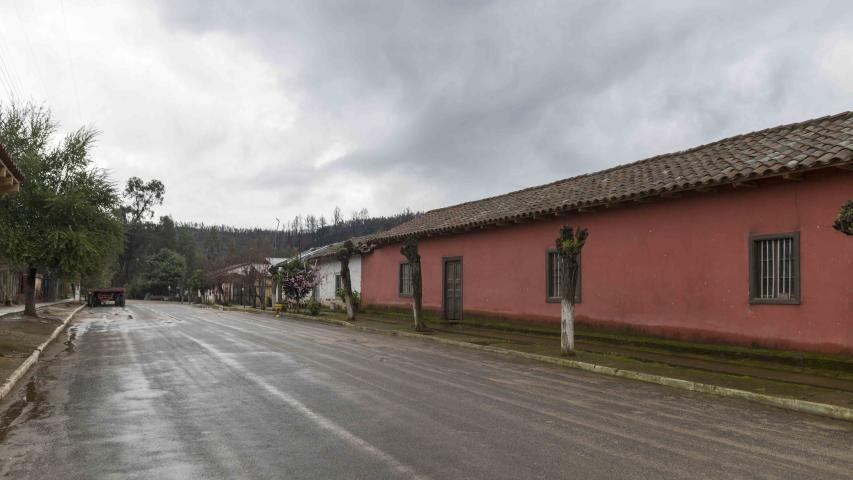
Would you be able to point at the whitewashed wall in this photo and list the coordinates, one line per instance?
(327, 268)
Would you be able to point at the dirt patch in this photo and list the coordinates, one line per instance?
(20, 335)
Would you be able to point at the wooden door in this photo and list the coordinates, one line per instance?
(453, 289)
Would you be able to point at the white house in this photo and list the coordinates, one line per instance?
(325, 259)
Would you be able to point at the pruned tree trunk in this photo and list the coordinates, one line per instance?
(410, 251)
(417, 298)
(30, 292)
(344, 254)
(346, 284)
(567, 328)
(569, 247)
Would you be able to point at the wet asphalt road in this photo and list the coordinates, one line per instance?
(181, 392)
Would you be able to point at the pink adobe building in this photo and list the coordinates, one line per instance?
(730, 241)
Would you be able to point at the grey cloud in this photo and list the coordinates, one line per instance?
(491, 96)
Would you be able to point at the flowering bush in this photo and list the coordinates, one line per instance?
(297, 280)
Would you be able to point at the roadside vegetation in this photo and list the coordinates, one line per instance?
(165, 258)
(65, 218)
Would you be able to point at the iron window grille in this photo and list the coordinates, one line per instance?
(339, 284)
(774, 267)
(406, 289)
(552, 277)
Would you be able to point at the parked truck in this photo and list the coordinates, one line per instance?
(101, 296)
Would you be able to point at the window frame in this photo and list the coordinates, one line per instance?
(557, 299)
(753, 267)
(404, 263)
(339, 283)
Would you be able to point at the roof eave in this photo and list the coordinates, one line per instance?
(736, 181)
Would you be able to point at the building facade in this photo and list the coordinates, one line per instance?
(325, 260)
(731, 241)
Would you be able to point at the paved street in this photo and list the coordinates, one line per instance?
(169, 391)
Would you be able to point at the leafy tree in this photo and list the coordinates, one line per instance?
(140, 199)
(164, 272)
(410, 251)
(569, 245)
(65, 218)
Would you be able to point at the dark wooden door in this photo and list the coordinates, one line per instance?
(453, 289)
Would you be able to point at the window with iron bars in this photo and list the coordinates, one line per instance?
(775, 268)
(406, 289)
(552, 277)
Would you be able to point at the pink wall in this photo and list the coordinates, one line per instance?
(676, 267)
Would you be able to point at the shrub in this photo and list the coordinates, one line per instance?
(356, 297)
(844, 221)
(314, 307)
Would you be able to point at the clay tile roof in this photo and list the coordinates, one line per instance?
(816, 143)
(6, 161)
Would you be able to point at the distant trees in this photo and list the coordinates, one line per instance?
(140, 199)
(65, 220)
(164, 272)
(569, 246)
(208, 249)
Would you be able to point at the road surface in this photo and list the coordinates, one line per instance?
(161, 391)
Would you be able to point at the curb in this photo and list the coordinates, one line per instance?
(25, 367)
(793, 404)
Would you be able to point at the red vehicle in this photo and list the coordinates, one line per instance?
(100, 296)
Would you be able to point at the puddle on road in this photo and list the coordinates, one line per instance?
(31, 398)
(72, 335)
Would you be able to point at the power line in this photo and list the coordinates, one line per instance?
(33, 60)
(68, 62)
(7, 78)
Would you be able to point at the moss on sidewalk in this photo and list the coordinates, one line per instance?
(806, 376)
(815, 377)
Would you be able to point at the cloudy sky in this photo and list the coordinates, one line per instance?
(254, 109)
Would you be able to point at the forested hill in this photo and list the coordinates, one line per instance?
(159, 256)
(299, 234)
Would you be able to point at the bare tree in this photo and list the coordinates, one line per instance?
(410, 251)
(569, 245)
(345, 252)
(337, 218)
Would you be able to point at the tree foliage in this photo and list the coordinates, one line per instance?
(65, 218)
(141, 198)
(844, 221)
(164, 272)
